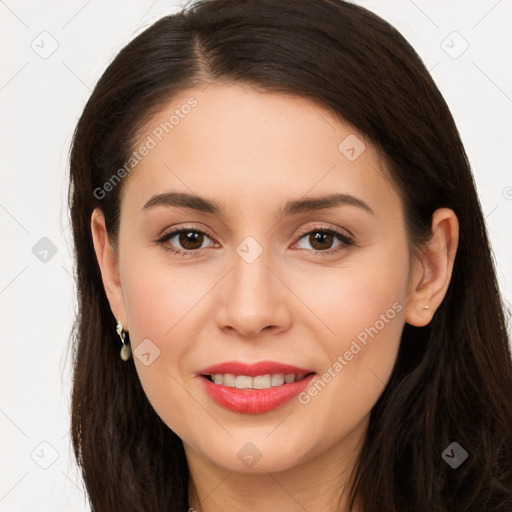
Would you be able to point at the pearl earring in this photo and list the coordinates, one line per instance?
(426, 307)
(126, 351)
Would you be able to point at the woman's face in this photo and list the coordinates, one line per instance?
(270, 280)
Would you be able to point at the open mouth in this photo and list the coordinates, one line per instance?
(257, 393)
(258, 382)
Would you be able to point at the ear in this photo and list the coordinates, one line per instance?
(109, 265)
(432, 269)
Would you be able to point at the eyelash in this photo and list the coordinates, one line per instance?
(347, 242)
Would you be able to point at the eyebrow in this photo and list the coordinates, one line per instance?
(194, 202)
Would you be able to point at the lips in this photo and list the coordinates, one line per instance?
(254, 401)
(254, 369)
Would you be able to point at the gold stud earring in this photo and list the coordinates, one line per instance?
(126, 351)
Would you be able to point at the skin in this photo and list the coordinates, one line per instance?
(251, 152)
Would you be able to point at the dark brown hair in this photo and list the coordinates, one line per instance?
(452, 380)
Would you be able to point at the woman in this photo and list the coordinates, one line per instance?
(287, 299)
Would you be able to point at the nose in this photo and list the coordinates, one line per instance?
(254, 299)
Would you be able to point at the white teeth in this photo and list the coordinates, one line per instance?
(261, 382)
(277, 379)
(243, 382)
(258, 382)
(228, 380)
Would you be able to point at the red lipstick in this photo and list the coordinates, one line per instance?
(254, 401)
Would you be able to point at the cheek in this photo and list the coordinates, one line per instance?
(366, 291)
(154, 301)
(160, 299)
(363, 307)
(163, 306)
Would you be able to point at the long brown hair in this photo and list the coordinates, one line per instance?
(452, 380)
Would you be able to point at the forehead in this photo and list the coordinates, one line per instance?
(233, 141)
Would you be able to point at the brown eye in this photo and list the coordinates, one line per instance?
(190, 239)
(321, 240)
(184, 241)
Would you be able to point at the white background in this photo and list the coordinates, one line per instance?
(41, 100)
